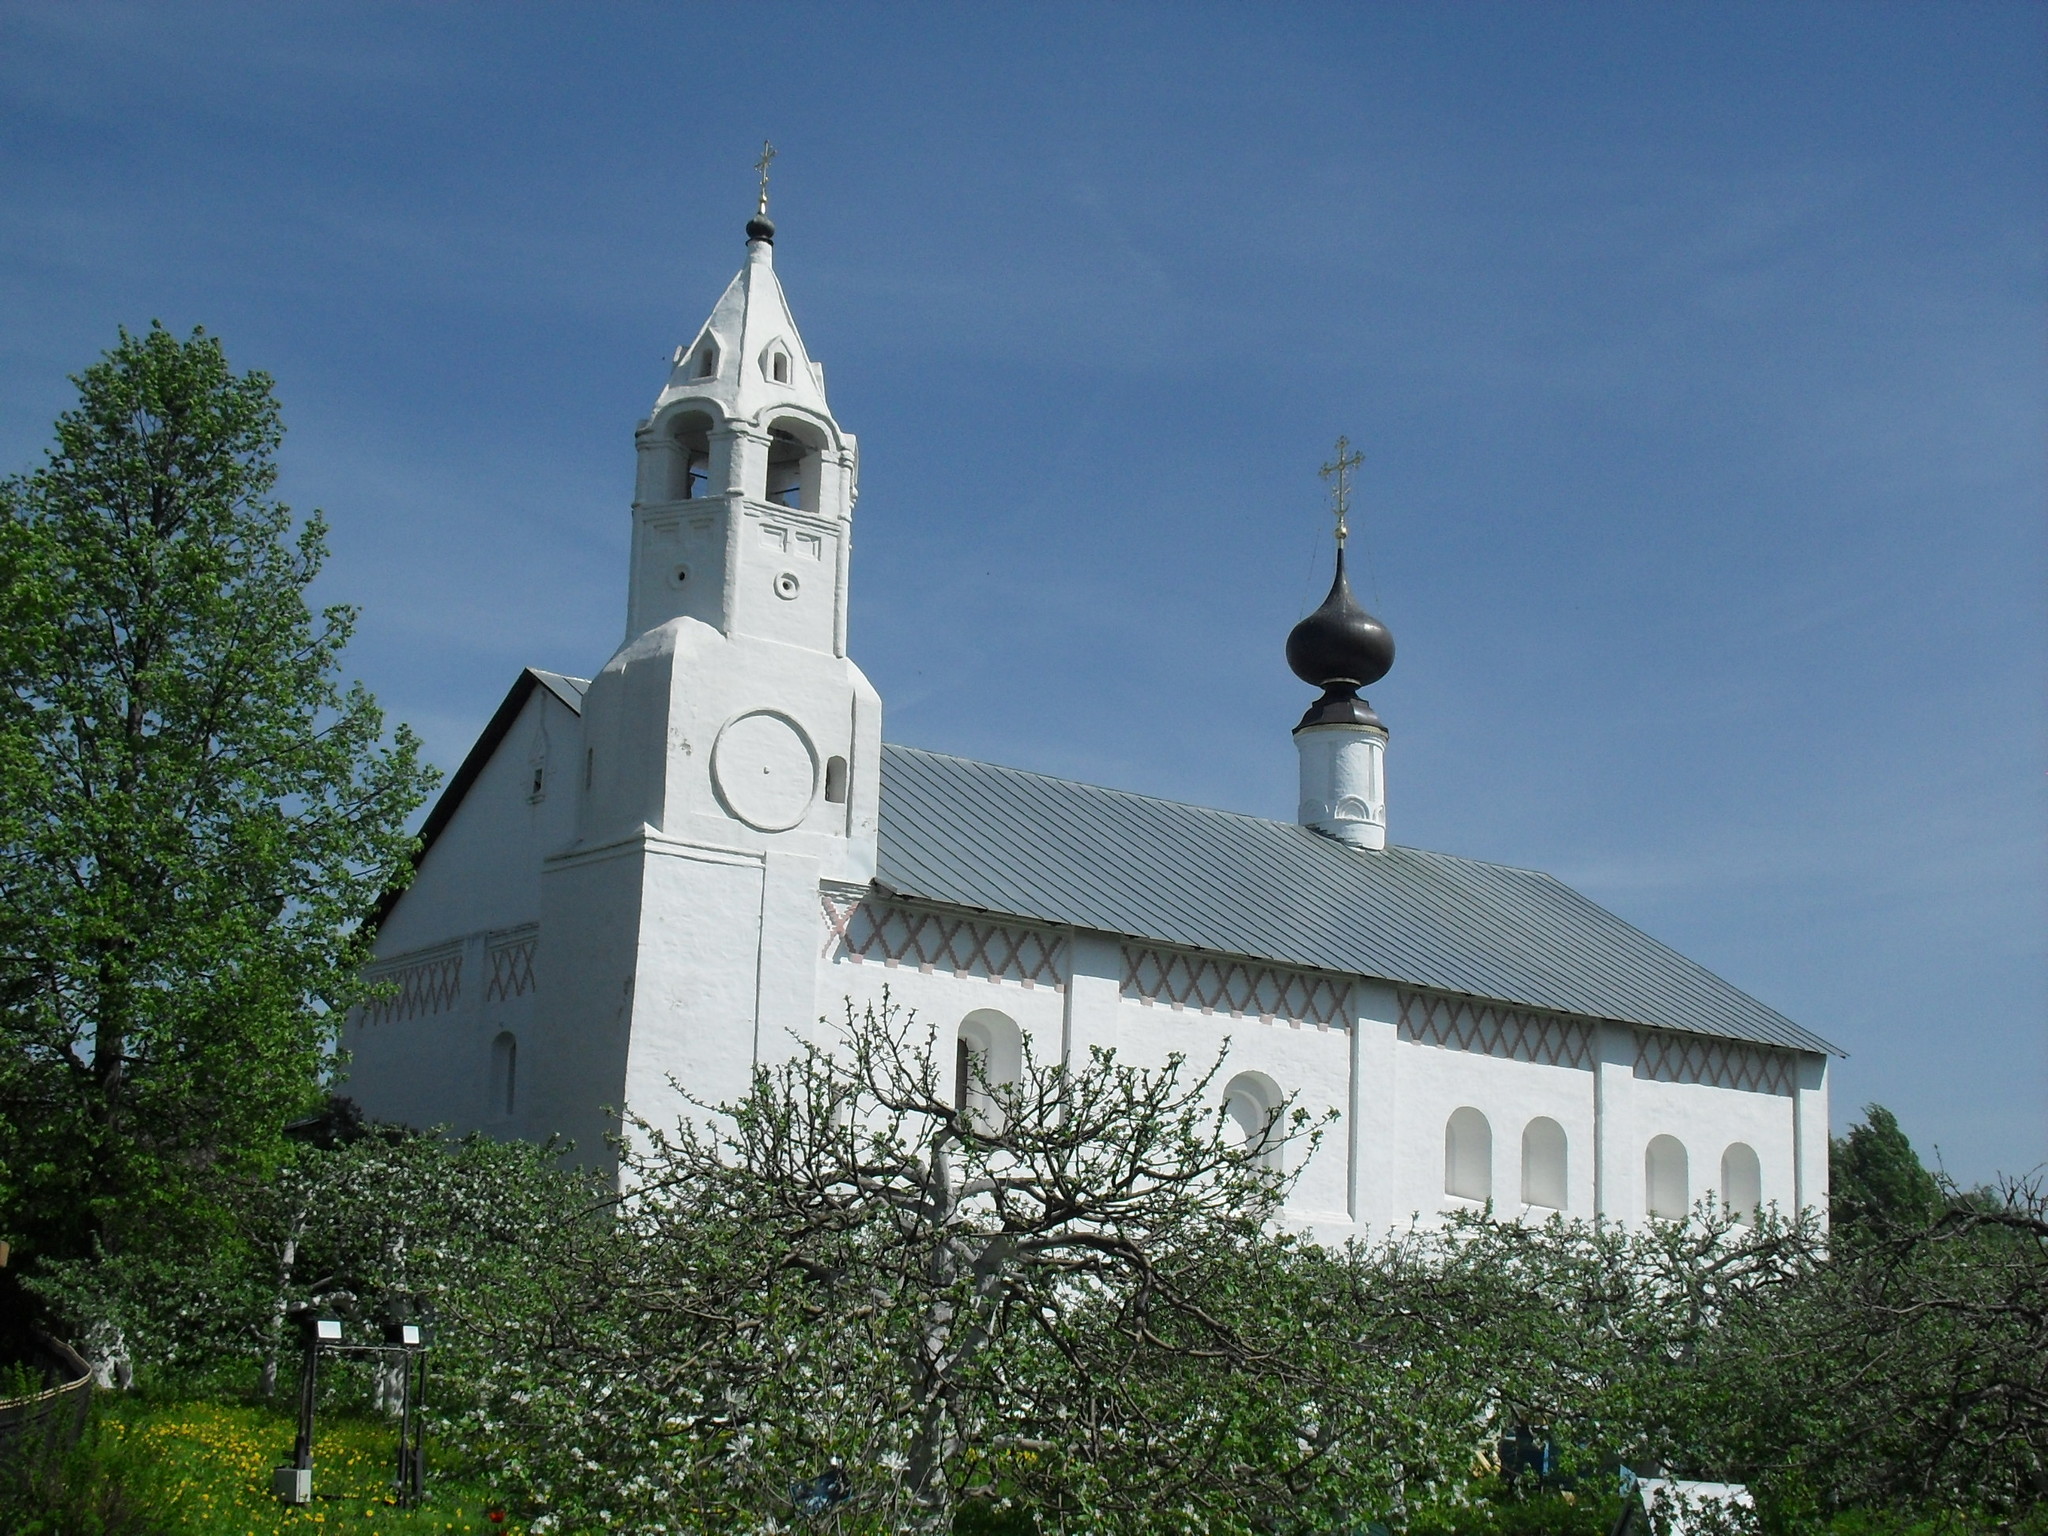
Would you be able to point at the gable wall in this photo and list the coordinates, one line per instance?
(459, 946)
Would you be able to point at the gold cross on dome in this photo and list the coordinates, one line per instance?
(767, 159)
(1338, 473)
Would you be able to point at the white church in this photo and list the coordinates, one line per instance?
(690, 862)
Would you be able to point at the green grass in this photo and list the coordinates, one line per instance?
(197, 1468)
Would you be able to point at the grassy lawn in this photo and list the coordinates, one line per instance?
(208, 1473)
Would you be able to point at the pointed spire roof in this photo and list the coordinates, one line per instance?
(748, 358)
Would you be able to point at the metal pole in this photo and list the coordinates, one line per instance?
(404, 1479)
(302, 1450)
(419, 1435)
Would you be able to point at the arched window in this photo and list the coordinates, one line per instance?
(1251, 1104)
(1742, 1181)
(835, 780)
(1468, 1155)
(795, 459)
(690, 468)
(1667, 1182)
(988, 1053)
(1544, 1165)
(707, 361)
(778, 365)
(504, 1075)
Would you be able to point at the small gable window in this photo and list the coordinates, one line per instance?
(778, 366)
(707, 362)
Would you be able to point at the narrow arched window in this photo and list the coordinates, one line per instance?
(988, 1056)
(707, 361)
(1544, 1163)
(504, 1075)
(1251, 1104)
(1742, 1181)
(1468, 1155)
(835, 780)
(1667, 1181)
(779, 366)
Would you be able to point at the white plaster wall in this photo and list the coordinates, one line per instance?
(586, 967)
(1374, 1132)
(1312, 1062)
(1433, 1081)
(1706, 1119)
(939, 1000)
(1381, 1164)
(699, 965)
(480, 878)
(420, 1071)
(1308, 1061)
(483, 871)
(652, 722)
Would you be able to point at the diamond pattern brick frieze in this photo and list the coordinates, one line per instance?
(1673, 1058)
(934, 939)
(1240, 988)
(511, 957)
(421, 986)
(1467, 1024)
(837, 908)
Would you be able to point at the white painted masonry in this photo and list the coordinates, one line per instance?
(641, 888)
(1344, 782)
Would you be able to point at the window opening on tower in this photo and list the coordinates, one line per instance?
(690, 466)
(786, 465)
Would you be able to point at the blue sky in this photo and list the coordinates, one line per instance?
(1696, 353)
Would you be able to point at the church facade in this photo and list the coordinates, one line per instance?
(693, 861)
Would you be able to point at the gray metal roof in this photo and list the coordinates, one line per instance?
(1031, 846)
(1048, 850)
(569, 690)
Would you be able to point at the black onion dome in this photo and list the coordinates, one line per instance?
(1340, 645)
(761, 227)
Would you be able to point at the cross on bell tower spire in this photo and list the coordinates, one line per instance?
(760, 226)
(1338, 473)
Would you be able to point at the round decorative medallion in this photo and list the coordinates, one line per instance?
(766, 770)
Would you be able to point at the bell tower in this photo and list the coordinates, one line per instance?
(731, 749)
(745, 483)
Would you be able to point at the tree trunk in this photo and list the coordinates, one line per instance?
(287, 1259)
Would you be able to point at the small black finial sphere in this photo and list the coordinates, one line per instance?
(761, 227)
(1340, 644)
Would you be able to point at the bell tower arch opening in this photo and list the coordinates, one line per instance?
(689, 477)
(796, 450)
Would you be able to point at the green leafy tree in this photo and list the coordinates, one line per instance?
(851, 1283)
(1876, 1179)
(1906, 1371)
(195, 813)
